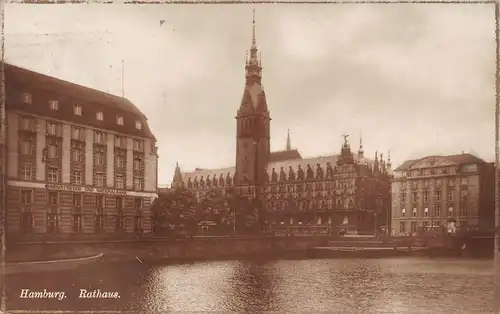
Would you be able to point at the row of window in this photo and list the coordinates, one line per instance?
(78, 133)
(53, 200)
(437, 211)
(78, 110)
(430, 183)
(77, 178)
(319, 221)
(27, 223)
(437, 196)
(347, 203)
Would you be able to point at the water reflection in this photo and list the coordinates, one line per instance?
(295, 286)
(254, 287)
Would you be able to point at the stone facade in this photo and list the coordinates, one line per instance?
(448, 193)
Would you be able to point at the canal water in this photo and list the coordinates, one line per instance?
(396, 285)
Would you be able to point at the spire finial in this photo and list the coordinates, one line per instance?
(253, 70)
(288, 141)
(253, 30)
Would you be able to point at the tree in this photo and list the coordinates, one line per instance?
(176, 208)
(218, 207)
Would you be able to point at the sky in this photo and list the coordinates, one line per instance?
(415, 79)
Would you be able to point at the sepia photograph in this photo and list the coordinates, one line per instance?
(250, 158)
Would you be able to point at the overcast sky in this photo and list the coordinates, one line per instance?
(413, 78)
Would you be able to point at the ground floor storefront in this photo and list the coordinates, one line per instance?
(61, 211)
(412, 227)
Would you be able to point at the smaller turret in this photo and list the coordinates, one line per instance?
(288, 141)
(360, 151)
(177, 181)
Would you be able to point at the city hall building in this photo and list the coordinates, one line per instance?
(344, 191)
(450, 193)
(80, 162)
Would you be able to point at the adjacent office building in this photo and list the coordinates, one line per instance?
(450, 193)
(81, 162)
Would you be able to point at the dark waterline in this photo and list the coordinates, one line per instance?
(397, 285)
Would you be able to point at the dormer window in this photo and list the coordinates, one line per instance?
(54, 104)
(77, 110)
(26, 98)
(119, 120)
(138, 125)
(99, 115)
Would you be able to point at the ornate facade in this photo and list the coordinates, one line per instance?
(299, 195)
(80, 162)
(443, 192)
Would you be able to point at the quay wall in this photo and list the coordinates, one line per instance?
(159, 250)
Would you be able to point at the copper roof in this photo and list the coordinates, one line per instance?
(285, 155)
(459, 159)
(276, 165)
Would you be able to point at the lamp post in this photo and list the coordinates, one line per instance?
(234, 213)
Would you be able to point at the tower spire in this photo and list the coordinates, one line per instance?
(360, 151)
(288, 141)
(254, 42)
(253, 67)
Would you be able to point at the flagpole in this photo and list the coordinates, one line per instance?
(123, 79)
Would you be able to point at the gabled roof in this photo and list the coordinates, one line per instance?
(43, 87)
(285, 155)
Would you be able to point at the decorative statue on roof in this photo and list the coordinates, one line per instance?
(214, 180)
(221, 180)
(329, 171)
(282, 175)
(228, 179)
(319, 172)
(345, 139)
(310, 173)
(189, 183)
(195, 183)
(274, 176)
(266, 176)
(300, 174)
(202, 182)
(291, 174)
(209, 183)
